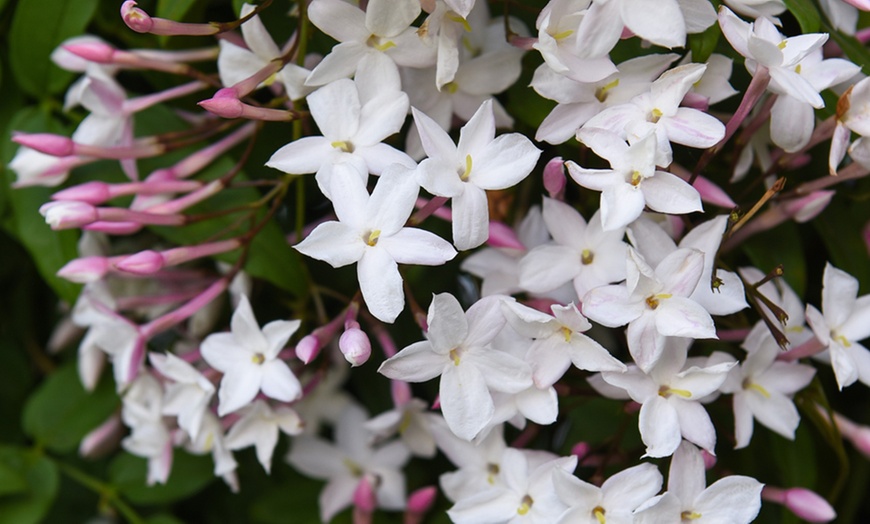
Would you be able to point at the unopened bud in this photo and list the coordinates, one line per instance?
(99, 52)
(554, 178)
(224, 107)
(95, 192)
(46, 143)
(581, 450)
(806, 208)
(84, 270)
(709, 459)
(103, 439)
(364, 498)
(308, 348)
(68, 215)
(355, 346)
(421, 500)
(804, 503)
(142, 263)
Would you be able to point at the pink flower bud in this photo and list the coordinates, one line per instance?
(142, 263)
(84, 270)
(364, 498)
(421, 500)
(67, 215)
(806, 208)
(355, 346)
(95, 192)
(500, 235)
(554, 178)
(581, 450)
(99, 52)
(135, 18)
(709, 459)
(696, 101)
(808, 505)
(224, 107)
(103, 439)
(308, 348)
(47, 143)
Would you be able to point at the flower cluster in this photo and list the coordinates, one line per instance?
(630, 285)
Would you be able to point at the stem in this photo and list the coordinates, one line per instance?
(104, 490)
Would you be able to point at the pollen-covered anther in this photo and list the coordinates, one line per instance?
(636, 177)
(667, 391)
(690, 515)
(602, 92)
(652, 301)
(525, 505)
(258, 358)
(748, 384)
(343, 145)
(372, 238)
(379, 43)
(586, 257)
(492, 471)
(454, 356)
(655, 114)
(467, 172)
(841, 339)
(567, 332)
(598, 512)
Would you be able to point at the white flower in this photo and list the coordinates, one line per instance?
(259, 427)
(189, 393)
(614, 501)
(463, 172)
(369, 232)
(248, 358)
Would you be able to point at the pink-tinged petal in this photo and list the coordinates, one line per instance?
(621, 204)
(686, 478)
(440, 177)
(680, 271)
(334, 243)
(448, 326)
(277, 333)
(302, 156)
(774, 410)
(470, 218)
(845, 368)
(221, 351)
(478, 132)
(491, 72)
(699, 15)
(485, 320)
(336, 109)
(545, 268)
(796, 86)
(667, 193)
(736, 31)
(791, 123)
(239, 387)
(651, 240)
(563, 222)
(734, 499)
(529, 322)
(645, 342)
(743, 422)
(764, 51)
(635, 382)
(465, 401)
(839, 145)
(416, 246)
(659, 427)
(415, 363)
(631, 487)
(381, 118)
(257, 37)
(236, 63)
(683, 317)
(436, 142)
(659, 22)
(610, 306)
(390, 17)
(500, 370)
(541, 406)
(336, 496)
(381, 284)
(339, 20)
(340, 63)
(279, 382)
(245, 328)
(839, 291)
(693, 128)
(695, 424)
(504, 162)
(861, 356)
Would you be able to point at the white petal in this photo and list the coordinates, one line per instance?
(381, 284)
(334, 243)
(465, 401)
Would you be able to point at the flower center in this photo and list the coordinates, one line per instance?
(841, 339)
(566, 332)
(372, 238)
(598, 512)
(667, 391)
(343, 145)
(602, 92)
(690, 515)
(463, 175)
(748, 384)
(652, 301)
(636, 178)
(492, 471)
(258, 358)
(454, 356)
(525, 505)
(379, 43)
(654, 115)
(586, 257)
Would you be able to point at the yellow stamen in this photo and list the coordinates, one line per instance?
(636, 178)
(258, 358)
(598, 513)
(405, 423)
(586, 257)
(655, 114)
(343, 145)
(690, 515)
(567, 333)
(563, 35)
(384, 46)
(759, 388)
(797, 69)
(666, 391)
(459, 20)
(653, 301)
(451, 87)
(454, 356)
(525, 505)
(782, 44)
(601, 92)
(354, 468)
(467, 173)
(492, 470)
(373, 237)
(843, 340)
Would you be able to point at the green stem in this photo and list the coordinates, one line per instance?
(104, 490)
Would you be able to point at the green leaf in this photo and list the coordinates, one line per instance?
(189, 475)
(296, 497)
(41, 480)
(703, 44)
(38, 27)
(853, 49)
(163, 518)
(60, 413)
(12, 479)
(50, 249)
(174, 9)
(806, 14)
(781, 245)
